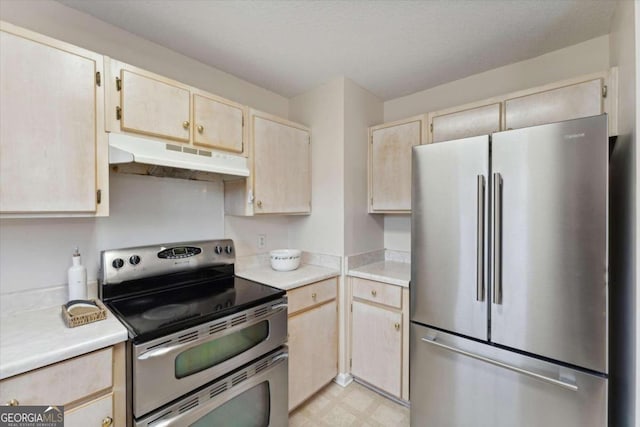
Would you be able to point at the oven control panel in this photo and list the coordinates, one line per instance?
(119, 265)
(177, 252)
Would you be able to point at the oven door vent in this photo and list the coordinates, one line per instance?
(189, 405)
(220, 388)
(239, 378)
(217, 327)
(261, 312)
(239, 319)
(262, 365)
(191, 336)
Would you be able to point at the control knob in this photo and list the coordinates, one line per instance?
(218, 249)
(134, 260)
(117, 263)
(228, 249)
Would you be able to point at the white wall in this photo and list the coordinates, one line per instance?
(623, 234)
(35, 253)
(322, 109)
(144, 210)
(583, 58)
(245, 231)
(362, 232)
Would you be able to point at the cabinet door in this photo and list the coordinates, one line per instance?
(98, 412)
(462, 124)
(50, 118)
(376, 353)
(390, 166)
(313, 351)
(282, 172)
(154, 107)
(565, 103)
(217, 124)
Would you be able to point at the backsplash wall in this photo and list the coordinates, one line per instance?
(35, 253)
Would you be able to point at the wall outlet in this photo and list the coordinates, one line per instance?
(262, 241)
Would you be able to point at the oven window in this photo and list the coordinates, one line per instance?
(211, 353)
(249, 409)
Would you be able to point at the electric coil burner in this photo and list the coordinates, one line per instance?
(193, 323)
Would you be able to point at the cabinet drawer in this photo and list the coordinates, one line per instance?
(61, 383)
(95, 413)
(377, 292)
(310, 295)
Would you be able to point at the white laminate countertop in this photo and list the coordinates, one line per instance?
(286, 280)
(392, 272)
(33, 339)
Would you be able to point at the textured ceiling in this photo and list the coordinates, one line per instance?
(392, 48)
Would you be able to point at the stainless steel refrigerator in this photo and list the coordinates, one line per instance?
(509, 278)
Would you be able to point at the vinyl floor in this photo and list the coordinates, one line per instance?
(354, 405)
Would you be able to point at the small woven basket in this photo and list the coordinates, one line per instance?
(82, 319)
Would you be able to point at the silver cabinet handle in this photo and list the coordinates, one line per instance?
(553, 381)
(496, 255)
(480, 240)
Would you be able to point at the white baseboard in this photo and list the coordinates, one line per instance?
(343, 380)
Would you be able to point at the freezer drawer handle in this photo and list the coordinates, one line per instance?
(496, 255)
(563, 384)
(480, 240)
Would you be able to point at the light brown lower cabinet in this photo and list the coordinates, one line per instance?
(313, 339)
(91, 387)
(379, 336)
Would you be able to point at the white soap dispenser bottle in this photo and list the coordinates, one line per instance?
(77, 275)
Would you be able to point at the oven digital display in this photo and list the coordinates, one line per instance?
(179, 252)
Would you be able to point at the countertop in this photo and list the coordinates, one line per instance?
(36, 338)
(286, 280)
(392, 272)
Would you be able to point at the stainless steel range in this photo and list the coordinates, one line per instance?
(205, 347)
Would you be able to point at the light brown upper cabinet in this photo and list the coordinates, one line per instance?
(447, 125)
(218, 123)
(154, 107)
(280, 181)
(145, 103)
(576, 100)
(282, 166)
(53, 152)
(390, 147)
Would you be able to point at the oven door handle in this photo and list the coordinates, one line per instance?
(162, 351)
(277, 306)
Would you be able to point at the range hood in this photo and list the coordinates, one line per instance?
(150, 157)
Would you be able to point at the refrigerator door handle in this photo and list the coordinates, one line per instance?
(544, 378)
(496, 244)
(480, 239)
